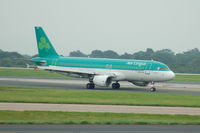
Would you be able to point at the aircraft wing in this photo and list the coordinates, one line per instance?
(77, 71)
(67, 70)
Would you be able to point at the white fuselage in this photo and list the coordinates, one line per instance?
(122, 75)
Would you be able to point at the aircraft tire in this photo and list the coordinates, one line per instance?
(90, 86)
(153, 89)
(115, 85)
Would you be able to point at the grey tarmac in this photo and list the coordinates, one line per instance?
(99, 108)
(99, 128)
(164, 87)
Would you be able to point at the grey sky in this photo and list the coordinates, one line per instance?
(86, 25)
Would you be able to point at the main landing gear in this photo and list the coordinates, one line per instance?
(90, 85)
(116, 85)
(152, 87)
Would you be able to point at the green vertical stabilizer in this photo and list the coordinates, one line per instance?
(45, 48)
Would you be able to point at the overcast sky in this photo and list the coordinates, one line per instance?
(86, 25)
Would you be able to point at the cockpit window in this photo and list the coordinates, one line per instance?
(162, 68)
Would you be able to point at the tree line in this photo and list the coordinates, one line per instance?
(185, 62)
(13, 59)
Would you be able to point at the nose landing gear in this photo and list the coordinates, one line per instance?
(152, 87)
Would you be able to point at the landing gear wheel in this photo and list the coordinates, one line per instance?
(153, 89)
(90, 86)
(115, 85)
(152, 86)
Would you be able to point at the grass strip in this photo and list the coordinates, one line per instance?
(187, 78)
(46, 117)
(29, 73)
(37, 95)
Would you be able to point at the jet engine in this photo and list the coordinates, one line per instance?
(140, 83)
(102, 80)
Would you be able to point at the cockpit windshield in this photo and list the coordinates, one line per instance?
(163, 68)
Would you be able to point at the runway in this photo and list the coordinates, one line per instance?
(99, 108)
(99, 129)
(165, 87)
(172, 88)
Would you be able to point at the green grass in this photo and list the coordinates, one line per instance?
(35, 95)
(45, 117)
(29, 73)
(187, 78)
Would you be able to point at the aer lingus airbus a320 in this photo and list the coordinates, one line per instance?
(100, 72)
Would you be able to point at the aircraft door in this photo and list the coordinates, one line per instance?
(54, 61)
(109, 67)
(148, 68)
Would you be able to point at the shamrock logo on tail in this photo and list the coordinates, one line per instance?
(43, 44)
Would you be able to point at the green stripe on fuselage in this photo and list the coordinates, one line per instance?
(101, 63)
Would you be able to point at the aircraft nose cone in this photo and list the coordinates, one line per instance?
(171, 75)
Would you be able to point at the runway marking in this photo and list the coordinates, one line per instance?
(99, 108)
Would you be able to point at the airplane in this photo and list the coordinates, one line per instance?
(100, 71)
